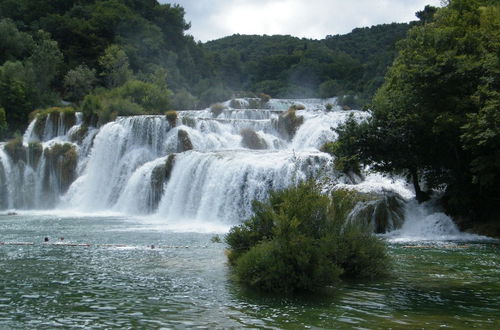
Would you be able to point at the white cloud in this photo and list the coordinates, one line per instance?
(212, 19)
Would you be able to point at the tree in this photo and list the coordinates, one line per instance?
(14, 94)
(434, 117)
(44, 63)
(114, 67)
(3, 123)
(14, 45)
(79, 82)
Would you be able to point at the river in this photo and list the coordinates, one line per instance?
(118, 280)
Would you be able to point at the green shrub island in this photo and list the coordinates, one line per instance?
(302, 240)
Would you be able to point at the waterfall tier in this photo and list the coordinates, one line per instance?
(201, 166)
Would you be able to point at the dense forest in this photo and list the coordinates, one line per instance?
(125, 57)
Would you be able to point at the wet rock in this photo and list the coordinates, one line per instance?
(183, 141)
(159, 176)
(288, 124)
(79, 134)
(61, 160)
(383, 212)
(35, 151)
(15, 150)
(252, 140)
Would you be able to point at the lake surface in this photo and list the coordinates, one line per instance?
(185, 282)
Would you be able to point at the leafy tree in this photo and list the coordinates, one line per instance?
(44, 63)
(114, 67)
(79, 82)
(14, 94)
(3, 123)
(434, 118)
(14, 45)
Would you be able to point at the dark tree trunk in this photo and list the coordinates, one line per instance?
(420, 195)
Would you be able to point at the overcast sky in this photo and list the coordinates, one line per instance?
(213, 19)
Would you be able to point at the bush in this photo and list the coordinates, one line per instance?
(216, 109)
(171, 117)
(264, 98)
(303, 240)
(3, 122)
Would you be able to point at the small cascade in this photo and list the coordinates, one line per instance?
(427, 222)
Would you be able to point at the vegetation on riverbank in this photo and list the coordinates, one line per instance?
(436, 118)
(303, 240)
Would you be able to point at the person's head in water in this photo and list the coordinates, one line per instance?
(46, 239)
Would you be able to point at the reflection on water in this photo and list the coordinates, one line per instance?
(185, 282)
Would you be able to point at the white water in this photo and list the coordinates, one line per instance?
(211, 186)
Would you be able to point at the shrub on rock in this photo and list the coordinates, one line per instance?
(171, 117)
(303, 240)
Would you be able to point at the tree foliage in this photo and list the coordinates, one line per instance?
(436, 116)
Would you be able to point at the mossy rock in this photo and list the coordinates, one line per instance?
(264, 98)
(53, 114)
(79, 134)
(169, 166)
(3, 189)
(217, 109)
(297, 107)
(383, 212)
(63, 159)
(252, 140)
(183, 141)
(39, 127)
(16, 150)
(35, 152)
(255, 103)
(288, 124)
(159, 176)
(171, 117)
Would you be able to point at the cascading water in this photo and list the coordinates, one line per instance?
(205, 166)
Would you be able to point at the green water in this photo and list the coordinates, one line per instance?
(185, 282)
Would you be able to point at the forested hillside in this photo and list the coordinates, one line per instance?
(286, 66)
(127, 57)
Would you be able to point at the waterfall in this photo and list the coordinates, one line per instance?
(202, 166)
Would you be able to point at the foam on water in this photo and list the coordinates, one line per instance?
(426, 222)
